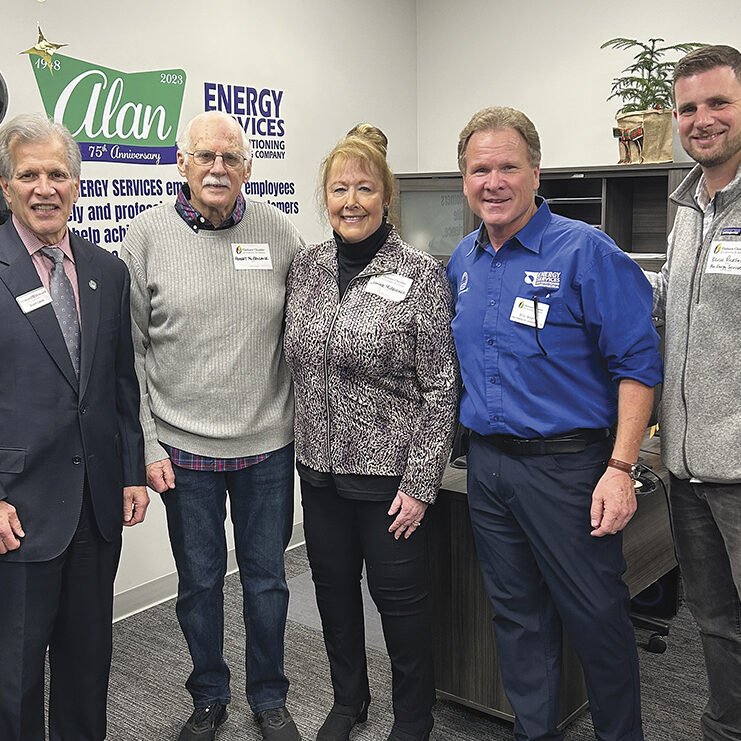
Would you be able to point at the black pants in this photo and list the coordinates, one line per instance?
(65, 604)
(341, 534)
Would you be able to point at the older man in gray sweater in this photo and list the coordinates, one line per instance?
(207, 292)
(698, 295)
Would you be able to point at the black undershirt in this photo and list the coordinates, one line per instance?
(352, 257)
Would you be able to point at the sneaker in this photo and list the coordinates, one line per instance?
(276, 724)
(202, 724)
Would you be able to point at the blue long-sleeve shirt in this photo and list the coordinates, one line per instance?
(594, 328)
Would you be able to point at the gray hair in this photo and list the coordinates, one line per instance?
(495, 118)
(31, 128)
(184, 140)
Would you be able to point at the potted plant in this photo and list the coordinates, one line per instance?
(644, 122)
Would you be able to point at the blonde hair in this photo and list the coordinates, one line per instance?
(367, 145)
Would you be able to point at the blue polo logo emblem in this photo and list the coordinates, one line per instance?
(463, 287)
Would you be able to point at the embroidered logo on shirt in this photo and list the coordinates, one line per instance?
(730, 231)
(464, 284)
(544, 279)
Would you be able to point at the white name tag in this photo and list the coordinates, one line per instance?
(251, 257)
(34, 300)
(725, 257)
(391, 286)
(523, 312)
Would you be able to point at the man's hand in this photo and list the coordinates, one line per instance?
(613, 503)
(10, 528)
(411, 511)
(135, 503)
(160, 475)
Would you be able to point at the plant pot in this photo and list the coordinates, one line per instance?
(644, 136)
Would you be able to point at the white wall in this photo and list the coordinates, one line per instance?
(543, 58)
(338, 61)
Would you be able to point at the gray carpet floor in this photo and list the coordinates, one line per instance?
(148, 701)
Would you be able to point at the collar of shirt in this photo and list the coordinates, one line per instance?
(530, 236)
(193, 218)
(33, 244)
(706, 204)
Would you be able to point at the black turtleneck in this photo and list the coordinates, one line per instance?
(352, 257)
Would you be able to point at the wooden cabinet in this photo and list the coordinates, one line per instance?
(628, 202)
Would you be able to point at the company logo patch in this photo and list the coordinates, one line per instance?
(730, 231)
(544, 279)
(464, 284)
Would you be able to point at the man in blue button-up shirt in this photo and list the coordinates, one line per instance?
(556, 343)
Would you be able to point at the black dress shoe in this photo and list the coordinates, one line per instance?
(276, 724)
(418, 731)
(203, 722)
(339, 723)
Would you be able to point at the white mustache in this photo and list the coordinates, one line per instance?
(222, 180)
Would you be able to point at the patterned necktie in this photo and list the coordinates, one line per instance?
(63, 302)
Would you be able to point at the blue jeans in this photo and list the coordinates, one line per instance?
(261, 506)
(707, 536)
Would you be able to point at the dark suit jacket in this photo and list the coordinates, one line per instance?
(51, 433)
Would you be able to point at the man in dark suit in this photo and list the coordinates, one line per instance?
(71, 452)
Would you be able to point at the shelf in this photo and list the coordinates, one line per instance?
(630, 203)
(574, 200)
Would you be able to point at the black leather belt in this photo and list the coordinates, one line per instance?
(570, 442)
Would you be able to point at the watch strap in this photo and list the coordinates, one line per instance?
(621, 466)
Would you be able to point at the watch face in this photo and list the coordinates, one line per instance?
(3, 98)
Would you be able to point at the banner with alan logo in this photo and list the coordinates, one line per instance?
(120, 120)
(114, 116)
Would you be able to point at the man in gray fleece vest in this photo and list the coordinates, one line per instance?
(207, 292)
(698, 294)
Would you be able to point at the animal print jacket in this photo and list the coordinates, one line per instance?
(375, 374)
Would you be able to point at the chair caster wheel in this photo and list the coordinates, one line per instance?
(656, 644)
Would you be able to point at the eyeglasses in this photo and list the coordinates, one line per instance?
(203, 157)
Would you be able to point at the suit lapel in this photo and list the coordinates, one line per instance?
(19, 275)
(89, 287)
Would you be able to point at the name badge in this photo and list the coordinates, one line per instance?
(251, 257)
(34, 300)
(725, 257)
(523, 312)
(391, 286)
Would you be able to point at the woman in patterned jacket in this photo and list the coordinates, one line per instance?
(376, 378)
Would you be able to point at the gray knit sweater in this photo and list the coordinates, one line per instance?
(208, 337)
(700, 404)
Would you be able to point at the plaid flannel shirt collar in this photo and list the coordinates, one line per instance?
(193, 218)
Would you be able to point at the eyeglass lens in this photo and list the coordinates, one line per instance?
(207, 157)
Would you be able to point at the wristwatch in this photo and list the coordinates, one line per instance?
(630, 468)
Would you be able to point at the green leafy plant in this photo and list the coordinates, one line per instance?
(647, 83)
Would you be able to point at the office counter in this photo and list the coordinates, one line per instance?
(465, 653)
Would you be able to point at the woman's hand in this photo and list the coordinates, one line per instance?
(410, 514)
